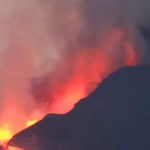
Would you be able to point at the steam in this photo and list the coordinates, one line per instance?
(48, 48)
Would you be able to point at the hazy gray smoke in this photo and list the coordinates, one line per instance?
(33, 40)
(44, 39)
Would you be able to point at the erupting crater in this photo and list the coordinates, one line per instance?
(87, 70)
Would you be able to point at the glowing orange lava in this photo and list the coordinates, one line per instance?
(5, 134)
(13, 148)
(31, 122)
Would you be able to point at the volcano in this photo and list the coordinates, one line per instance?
(116, 116)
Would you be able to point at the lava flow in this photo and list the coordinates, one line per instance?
(6, 134)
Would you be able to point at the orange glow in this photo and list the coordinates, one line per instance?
(31, 122)
(132, 60)
(91, 66)
(89, 69)
(132, 57)
(86, 69)
(13, 148)
(5, 134)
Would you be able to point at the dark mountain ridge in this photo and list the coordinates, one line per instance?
(116, 116)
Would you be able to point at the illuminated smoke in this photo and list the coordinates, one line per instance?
(53, 53)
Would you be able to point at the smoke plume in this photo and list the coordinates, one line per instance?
(55, 52)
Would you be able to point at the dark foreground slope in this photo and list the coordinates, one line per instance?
(114, 117)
